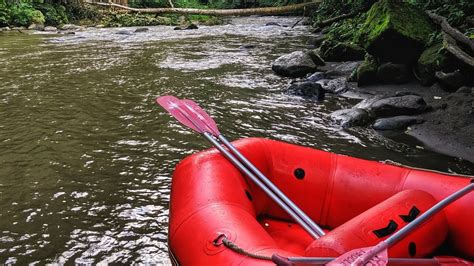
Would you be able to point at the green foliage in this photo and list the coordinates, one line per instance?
(128, 20)
(76, 12)
(4, 16)
(345, 30)
(454, 10)
(24, 14)
(54, 14)
(333, 8)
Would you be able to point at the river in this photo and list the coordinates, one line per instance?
(87, 156)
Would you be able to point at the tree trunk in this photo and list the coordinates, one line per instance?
(217, 12)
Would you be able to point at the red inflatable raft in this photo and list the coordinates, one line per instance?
(358, 202)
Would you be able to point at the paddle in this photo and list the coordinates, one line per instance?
(191, 115)
(377, 255)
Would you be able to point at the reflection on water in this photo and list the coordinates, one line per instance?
(86, 156)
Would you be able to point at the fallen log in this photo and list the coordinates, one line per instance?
(330, 21)
(453, 32)
(456, 51)
(216, 12)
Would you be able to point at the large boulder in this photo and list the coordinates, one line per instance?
(367, 71)
(396, 122)
(395, 31)
(351, 117)
(306, 89)
(451, 81)
(402, 105)
(296, 64)
(434, 58)
(341, 51)
(393, 73)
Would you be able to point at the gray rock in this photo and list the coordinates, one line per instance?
(141, 30)
(403, 105)
(191, 26)
(393, 73)
(366, 104)
(124, 32)
(35, 26)
(451, 81)
(5, 29)
(248, 46)
(467, 90)
(296, 64)
(50, 28)
(345, 69)
(396, 122)
(316, 76)
(71, 27)
(99, 26)
(316, 58)
(272, 24)
(306, 89)
(351, 117)
(338, 85)
(18, 28)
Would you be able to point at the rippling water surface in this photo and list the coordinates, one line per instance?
(86, 156)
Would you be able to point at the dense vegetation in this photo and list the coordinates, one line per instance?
(345, 30)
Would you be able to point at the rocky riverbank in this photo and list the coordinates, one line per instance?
(406, 81)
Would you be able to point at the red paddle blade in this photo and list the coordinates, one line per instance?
(357, 257)
(203, 117)
(174, 106)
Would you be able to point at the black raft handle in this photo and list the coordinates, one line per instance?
(388, 230)
(414, 212)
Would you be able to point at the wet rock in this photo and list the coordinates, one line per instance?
(351, 117)
(403, 105)
(316, 76)
(18, 28)
(5, 29)
(50, 29)
(396, 122)
(367, 103)
(367, 71)
(343, 70)
(124, 32)
(99, 26)
(395, 31)
(341, 51)
(403, 93)
(248, 46)
(72, 27)
(316, 40)
(338, 85)
(451, 81)
(467, 90)
(306, 89)
(316, 58)
(191, 26)
(393, 73)
(35, 26)
(141, 30)
(296, 64)
(272, 24)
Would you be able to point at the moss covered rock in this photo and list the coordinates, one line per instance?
(435, 58)
(395, 31)
(341, 51)
(367, 71)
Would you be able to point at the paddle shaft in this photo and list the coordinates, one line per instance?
(314, 227)
(415, 223)
(258, 182)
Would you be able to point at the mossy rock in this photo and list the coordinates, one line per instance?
(341, 51)
(395, 31)
(367, 71)
(435, 58)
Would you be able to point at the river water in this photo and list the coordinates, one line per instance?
(86, 155)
